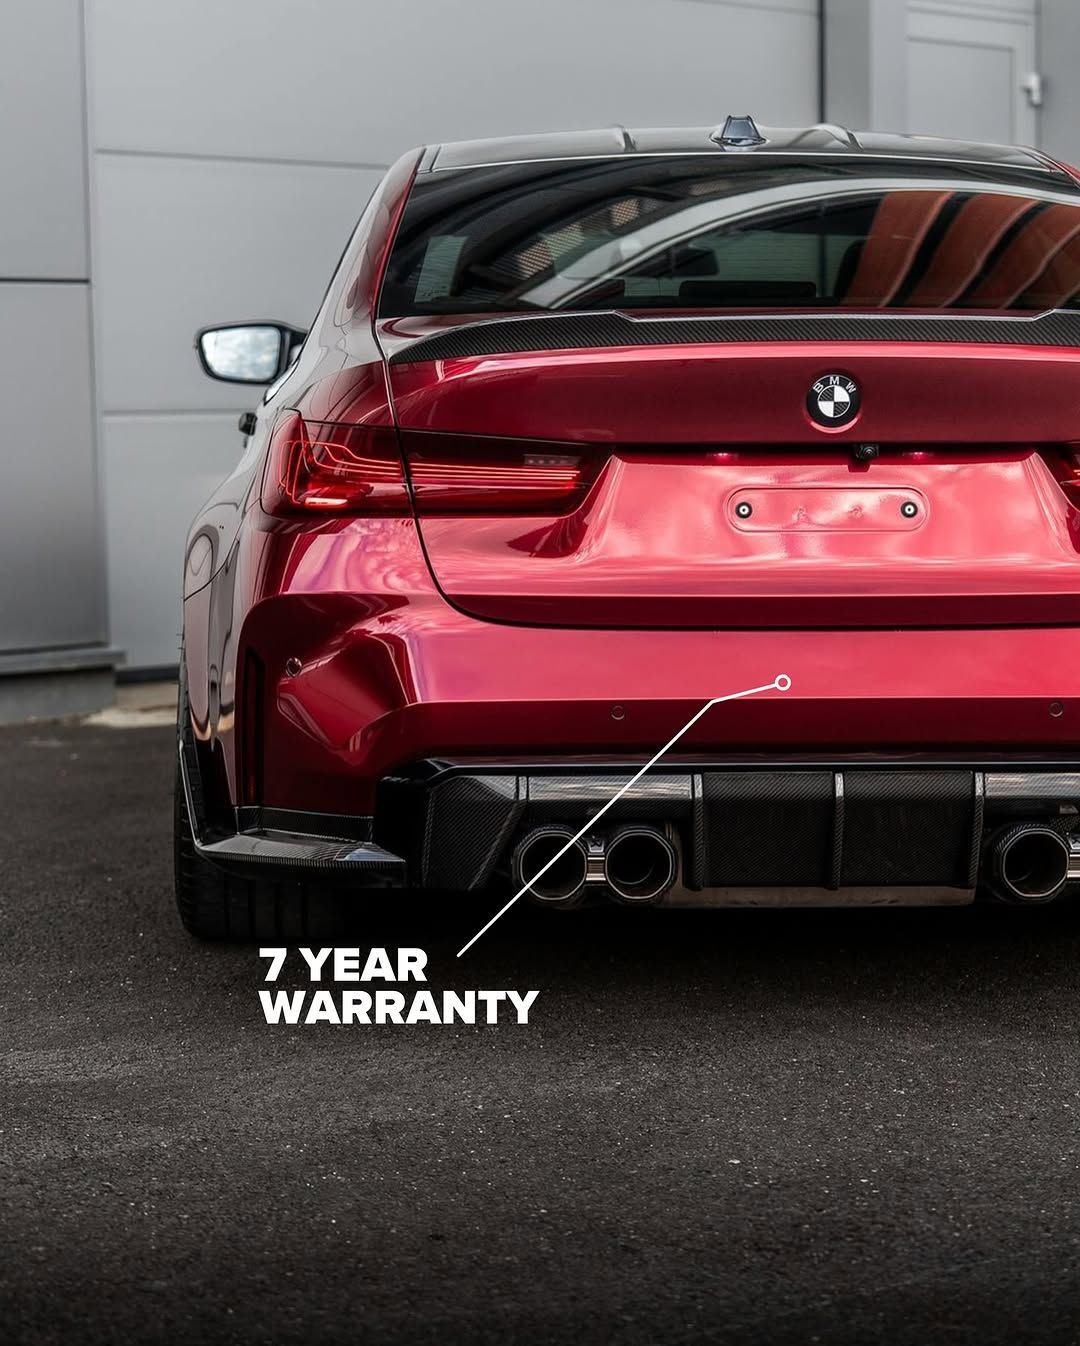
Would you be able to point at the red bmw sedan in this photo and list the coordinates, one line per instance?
(594, 429)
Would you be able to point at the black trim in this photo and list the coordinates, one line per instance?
(824, 140)
(861, 822)
(429, 770)
(582, 331)
(837, 859)
(290, 854)
(979, 823)
(278, 853)
(291, 338)
(695, 863)
(354, 826)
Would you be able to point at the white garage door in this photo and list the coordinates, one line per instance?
(969, 72)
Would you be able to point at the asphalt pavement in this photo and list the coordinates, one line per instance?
(785, 1127)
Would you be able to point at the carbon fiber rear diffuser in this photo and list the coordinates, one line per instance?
(841, 827)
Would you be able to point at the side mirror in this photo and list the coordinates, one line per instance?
(247, 352)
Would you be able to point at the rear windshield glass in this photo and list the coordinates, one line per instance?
(694, 234)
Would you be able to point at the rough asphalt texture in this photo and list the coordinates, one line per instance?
(760, 1127)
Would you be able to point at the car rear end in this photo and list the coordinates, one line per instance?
(651, 425)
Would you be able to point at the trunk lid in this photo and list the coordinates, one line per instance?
(723, 504)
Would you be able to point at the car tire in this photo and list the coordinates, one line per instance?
(216, 905)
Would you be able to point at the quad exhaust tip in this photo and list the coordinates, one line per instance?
(563, 885)
(640, 865)
(1031, 862)
(635, 865)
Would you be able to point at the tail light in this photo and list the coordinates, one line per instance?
(332, 468)
(477, 474)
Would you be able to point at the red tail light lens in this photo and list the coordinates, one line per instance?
(333, 469)
(474, 474)
(357, 469)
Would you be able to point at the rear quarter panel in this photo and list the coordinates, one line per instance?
(228, 566)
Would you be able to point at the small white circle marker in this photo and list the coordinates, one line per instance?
(782, 683)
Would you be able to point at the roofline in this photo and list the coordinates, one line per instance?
(1050, 166)
(827, 141)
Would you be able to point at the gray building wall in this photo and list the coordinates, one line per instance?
(54, 655)
(1059, 61)
(52, 589)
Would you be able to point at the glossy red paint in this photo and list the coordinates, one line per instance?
(993, 541)
(391, 672)
(929, 393)
(504, 636)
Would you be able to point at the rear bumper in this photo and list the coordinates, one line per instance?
(337, 702)
(354, 666)
(368, 696)
(743, 831)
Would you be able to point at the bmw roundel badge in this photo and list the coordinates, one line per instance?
(833, 400)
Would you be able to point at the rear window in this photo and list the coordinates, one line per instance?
(690, 233)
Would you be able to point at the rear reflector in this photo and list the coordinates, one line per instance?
(332, 468)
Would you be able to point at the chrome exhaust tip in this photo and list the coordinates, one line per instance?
(640, 865)
(1031, 862)
(563, 883)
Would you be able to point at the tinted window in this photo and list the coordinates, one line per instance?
(694, 234)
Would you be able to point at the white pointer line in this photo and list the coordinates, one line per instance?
(780, 683)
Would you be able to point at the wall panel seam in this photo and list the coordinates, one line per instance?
(809, 7)
(44, 280)
(154, 413)
(238, 159)
(971, 9)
